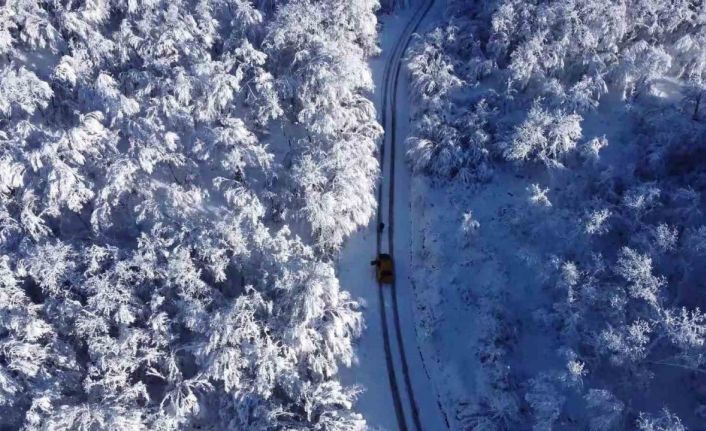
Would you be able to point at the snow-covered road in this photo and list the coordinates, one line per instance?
(398, 392)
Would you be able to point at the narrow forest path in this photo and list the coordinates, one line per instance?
(398, 393)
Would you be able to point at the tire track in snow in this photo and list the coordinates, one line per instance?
(390, 99)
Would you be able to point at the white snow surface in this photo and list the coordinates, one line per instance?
(356, 275)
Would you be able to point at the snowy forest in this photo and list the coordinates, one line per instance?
(179, 180)
(175, 177)
(569, 138)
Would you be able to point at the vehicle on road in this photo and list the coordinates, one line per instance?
(384, 268)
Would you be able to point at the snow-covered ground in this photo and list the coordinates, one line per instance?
(356, 275)
(455, 275)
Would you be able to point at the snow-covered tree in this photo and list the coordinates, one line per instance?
(546, 137)
(664, 421)
(145, 281)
